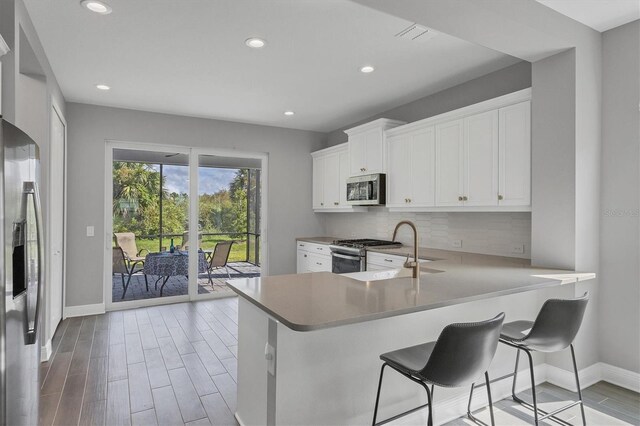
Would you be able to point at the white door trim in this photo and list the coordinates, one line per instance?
(193, 154)
(55, 109)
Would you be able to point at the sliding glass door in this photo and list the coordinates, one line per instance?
(181, 223)
(227, 216)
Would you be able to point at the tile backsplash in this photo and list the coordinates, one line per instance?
(488, 233)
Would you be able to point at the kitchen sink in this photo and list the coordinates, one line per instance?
(383, 275)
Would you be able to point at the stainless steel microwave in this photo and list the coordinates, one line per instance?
(367, 190)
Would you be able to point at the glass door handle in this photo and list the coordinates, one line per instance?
(33, 261)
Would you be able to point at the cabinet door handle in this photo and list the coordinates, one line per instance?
(460, 198)
(409, 199)
(318, 263)
(322, 204)
(465, 198)
(336, 203)
(305, 255)
(500, 197)
(388, 260)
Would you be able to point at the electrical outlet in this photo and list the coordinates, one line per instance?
(456, 243)
(91, 231)
(517, 249)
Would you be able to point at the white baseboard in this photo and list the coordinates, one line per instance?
(240, 422)
(45, 351)
(566, 380)
(621, 377)
(82, 310)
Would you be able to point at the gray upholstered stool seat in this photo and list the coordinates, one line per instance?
(462, 353)
(410, 360)
(516, 331)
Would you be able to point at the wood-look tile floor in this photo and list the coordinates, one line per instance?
(176, 364)
(164, 365)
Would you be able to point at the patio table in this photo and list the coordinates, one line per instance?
(166, 265)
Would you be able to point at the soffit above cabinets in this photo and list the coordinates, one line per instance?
(190, 58)
(601, 15)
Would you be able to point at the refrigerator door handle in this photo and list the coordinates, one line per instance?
(30, 190)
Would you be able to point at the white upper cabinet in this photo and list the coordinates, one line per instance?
(480, 166)
(318, 182)
(367, 147)
(514, 188)
(411, 169)
(330, 173)
(449, 163)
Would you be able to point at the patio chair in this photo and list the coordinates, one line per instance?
(127, 242)
(219, 258)
(121, 266)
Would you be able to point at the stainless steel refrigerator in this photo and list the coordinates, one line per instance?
(21, 275)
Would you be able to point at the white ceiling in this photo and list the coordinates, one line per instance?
(601, 15)
(189, 58)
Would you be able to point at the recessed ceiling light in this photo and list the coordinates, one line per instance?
(97, 6)
(255, 42)
(367, 69)
(102, 87)
(289, 113)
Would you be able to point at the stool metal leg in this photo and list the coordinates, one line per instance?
(488, 382)
(375, 410)
(397, 416)
(469, 413)
(515, 375)
(533, 387)
(575, 371)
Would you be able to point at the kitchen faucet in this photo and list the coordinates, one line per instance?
(413, 265)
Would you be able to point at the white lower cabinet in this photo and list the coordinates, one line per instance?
(312, 257)
(381, 261)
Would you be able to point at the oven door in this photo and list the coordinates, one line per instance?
(342, 263)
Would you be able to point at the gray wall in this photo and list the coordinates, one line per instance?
(492, 85)
(289, 196)
(620, 230)
(553, 165)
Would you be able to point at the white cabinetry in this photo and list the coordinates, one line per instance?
(381, 261)
(366, 146)
(449, 162)
(477, 158)
(514, 188)
(411, 168)
(312, 257)
(330, 173)
(480, 164)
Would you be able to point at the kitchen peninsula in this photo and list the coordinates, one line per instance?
(309, 343)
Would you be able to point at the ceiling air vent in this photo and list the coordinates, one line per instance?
(415, 32)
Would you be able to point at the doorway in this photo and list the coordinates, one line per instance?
(57, 220)
(182, 221)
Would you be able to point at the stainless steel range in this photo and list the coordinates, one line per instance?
(351, 255)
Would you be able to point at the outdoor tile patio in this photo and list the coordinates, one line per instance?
(177, 286)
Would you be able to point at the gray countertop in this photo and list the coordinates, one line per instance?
(312, 301)
(318, 240)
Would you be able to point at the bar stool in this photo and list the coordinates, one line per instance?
(460, 355)
(554, 329)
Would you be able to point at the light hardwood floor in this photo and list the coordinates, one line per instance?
(176, 364)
